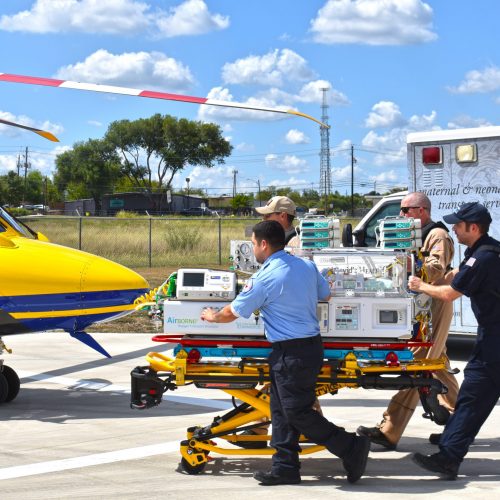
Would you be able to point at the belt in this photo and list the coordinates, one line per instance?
(296, 342)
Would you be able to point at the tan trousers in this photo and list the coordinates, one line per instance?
(403, 404)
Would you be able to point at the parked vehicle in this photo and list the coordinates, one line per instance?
(198, 211)
(451, 167)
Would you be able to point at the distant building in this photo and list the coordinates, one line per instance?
(141, 203)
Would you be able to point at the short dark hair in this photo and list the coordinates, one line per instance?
(271, 231)
(483, 227)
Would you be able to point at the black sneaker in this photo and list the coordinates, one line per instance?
(375, 435)
(354, 461)
(435, 438)
(271, 479)
(439, 464)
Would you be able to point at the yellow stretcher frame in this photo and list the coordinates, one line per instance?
(199, 443)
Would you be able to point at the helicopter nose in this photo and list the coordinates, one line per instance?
(107, 284)
(101, 274)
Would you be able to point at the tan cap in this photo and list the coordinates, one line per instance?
(278, 204)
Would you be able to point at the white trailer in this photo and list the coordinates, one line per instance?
(454, 167)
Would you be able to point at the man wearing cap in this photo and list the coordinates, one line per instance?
(437, 254)
(283, 210)
(287, 290)
(478, 277)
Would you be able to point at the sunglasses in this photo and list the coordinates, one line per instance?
(405, 210)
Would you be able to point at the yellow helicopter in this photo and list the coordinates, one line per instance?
(44, 286)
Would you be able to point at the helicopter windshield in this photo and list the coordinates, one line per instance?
(7, 219)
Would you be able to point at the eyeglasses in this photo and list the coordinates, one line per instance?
(405, 210)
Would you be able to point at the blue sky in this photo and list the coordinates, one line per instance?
(392, 66)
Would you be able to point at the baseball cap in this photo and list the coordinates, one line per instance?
(278, 204)
(469, 212)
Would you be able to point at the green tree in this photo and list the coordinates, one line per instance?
(90, 168)
(241, 202)
(154, 149)
(14, 189)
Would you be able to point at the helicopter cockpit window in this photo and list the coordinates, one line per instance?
(7, 220)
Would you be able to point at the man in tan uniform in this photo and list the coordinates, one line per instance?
(437, 251)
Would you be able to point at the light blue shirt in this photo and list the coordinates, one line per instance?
(286, 289)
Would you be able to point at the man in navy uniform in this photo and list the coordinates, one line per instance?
(477, 277)
(286, 289)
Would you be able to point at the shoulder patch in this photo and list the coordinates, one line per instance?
(470, 262)
(248, 286)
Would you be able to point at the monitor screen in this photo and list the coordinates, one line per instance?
(388, 316)
(193, 279)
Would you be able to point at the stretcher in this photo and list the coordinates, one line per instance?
(239, 369)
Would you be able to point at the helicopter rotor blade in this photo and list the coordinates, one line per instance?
(43, 133)
(51, 82)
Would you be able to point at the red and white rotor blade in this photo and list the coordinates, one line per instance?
(51, 82)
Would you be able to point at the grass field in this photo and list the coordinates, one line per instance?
(153, 247)
(155, 242)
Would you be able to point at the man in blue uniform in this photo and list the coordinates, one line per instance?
(286, 290)
(477, 277)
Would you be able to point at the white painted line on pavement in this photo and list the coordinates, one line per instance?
(88, 461)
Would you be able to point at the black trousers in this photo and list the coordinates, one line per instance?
(478, 395)
(294, 368)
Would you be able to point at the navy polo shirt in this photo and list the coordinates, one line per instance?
(479, 279)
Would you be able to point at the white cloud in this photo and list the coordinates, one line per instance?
(11, 131)
(290, 164)
(384, 114)
(373, 22)
(312, 92)
(244, 147)
(487, 80)
(220, 176)
(88, 16)
(150, 70)
(294, 136)
(466, 121)
(43, 162)
(114, 17)
(217, 113)
(292, 182)
(190, 18)
(271, 98)
(272, 68)
(391, 145)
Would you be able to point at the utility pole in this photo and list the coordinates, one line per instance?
(353, 161)
(26, 166)
(234, 183)
(18, 165)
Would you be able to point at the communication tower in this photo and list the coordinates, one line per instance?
(325, 173)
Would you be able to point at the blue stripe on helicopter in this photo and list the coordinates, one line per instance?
(69, 323)
(69, 301)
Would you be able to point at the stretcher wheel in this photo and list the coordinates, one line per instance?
(192, 469)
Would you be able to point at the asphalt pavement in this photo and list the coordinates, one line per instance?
(71, 434)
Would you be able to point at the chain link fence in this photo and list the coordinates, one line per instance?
(148, 242)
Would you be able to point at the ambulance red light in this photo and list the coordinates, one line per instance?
(391, 359)
(432, 155)
(193, 356)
